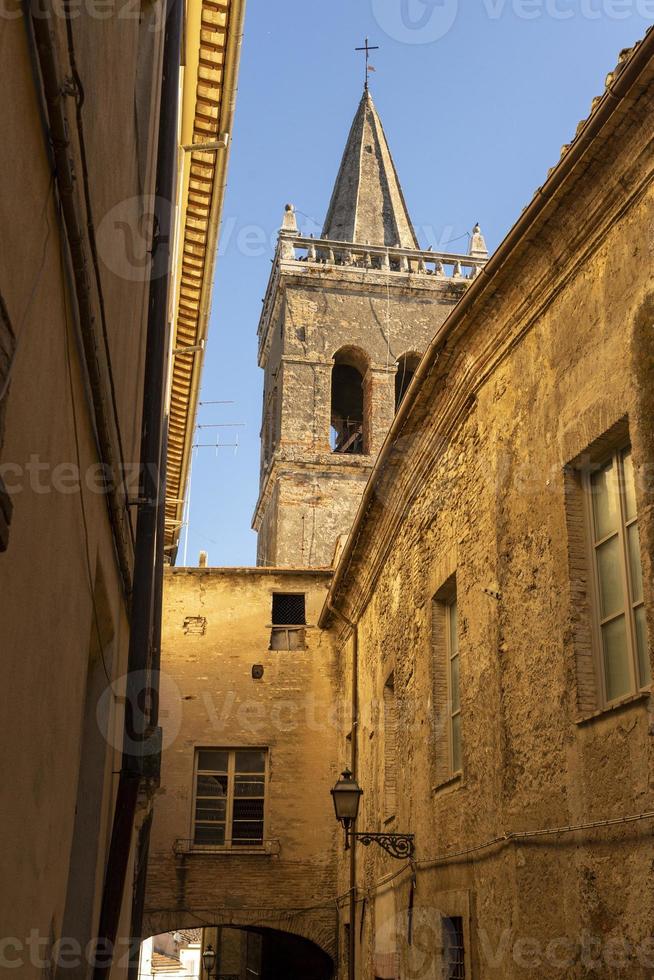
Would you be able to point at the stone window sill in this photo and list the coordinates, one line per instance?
(183, 847)
(610, 709)
(450, 784)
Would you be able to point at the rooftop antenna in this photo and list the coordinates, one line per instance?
(196, 445)
(367, 48)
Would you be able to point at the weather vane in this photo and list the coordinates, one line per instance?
(367, 48)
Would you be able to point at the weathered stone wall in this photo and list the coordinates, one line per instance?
(210, 699)
(317, 314)
(560, 355)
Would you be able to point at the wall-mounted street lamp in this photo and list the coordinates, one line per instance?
(209, 961)
(347, 795)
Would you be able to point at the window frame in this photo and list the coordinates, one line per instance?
(454, 968)
(614, 458)
(286, 629)
(450, 656)
(443, 599)
(228, 844)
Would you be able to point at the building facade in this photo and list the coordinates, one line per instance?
(243, 835)
(499, 583)
(92, 108)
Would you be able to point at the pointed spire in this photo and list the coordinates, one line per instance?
(478, 249)
(367, 204)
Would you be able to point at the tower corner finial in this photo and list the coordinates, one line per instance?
(478, 248)
(289, 223)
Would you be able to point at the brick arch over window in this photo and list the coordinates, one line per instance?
(318, 926)
(350, 410)
(407, 365)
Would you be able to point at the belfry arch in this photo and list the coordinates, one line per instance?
(350, 411)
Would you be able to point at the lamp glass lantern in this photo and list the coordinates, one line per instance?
(346, 795)
(209, 959)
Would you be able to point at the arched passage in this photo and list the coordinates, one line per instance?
(317, 926)
(348, 408)
(253, 951)
(285, 956)
(406, 368)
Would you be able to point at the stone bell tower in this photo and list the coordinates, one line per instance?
(344, 323)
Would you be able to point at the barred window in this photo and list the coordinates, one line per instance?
(453, 948)
(288, 609)
(288, 621)
(229, 801)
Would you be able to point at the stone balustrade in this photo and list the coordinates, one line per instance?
(297, 248)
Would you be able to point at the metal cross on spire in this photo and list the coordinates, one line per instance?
(367, 48)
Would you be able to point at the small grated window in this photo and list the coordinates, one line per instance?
(288, 621)
(454, 948)
(288, 609)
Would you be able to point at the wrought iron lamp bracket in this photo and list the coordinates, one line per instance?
(399, 846)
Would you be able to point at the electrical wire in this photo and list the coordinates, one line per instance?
(511, 836)
(451, 241)
(87, 547)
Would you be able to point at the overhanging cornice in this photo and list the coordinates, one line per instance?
(214, 30)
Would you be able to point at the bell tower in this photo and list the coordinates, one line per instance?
(345, 321)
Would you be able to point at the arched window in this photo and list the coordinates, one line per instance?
(406, 368)
(348, 433)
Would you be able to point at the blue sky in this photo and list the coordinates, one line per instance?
(476, 97)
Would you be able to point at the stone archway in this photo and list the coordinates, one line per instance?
(316, 928)
(287, 956)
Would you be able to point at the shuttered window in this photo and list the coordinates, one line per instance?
(447, 689)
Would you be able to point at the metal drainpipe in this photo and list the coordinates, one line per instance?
(148, 549)
(155, 662)
(351, 959)
(136, 930)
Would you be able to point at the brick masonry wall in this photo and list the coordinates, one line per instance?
(216, 626)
